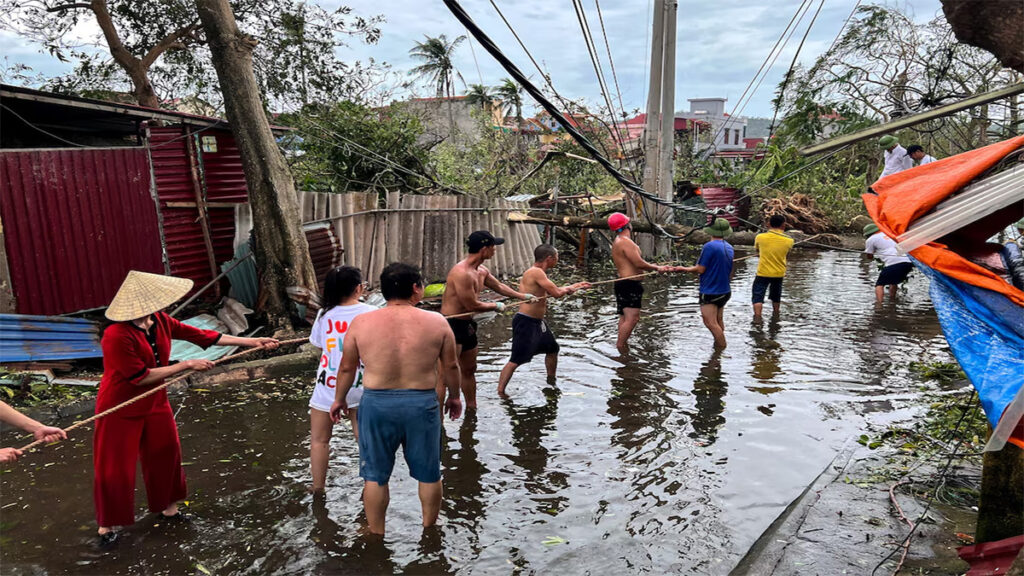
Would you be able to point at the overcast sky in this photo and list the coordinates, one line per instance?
(721, 43)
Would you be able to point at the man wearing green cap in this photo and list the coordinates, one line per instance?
(1020, 232)
(715, 267)
(896, 158)
(896, 267)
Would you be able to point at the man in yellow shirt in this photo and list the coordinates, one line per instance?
(772, 248)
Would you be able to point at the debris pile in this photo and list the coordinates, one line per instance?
(800, 211)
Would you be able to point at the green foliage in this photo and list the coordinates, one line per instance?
(339, 148)
(295, 59)
(510, 95)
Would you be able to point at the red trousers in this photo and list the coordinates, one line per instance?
(118, 444)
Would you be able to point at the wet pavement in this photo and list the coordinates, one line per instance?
(673, 459)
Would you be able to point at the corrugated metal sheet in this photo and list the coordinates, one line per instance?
(33, 338)
(221, 179)
(75, 222)
(324, 250)
(720, 197)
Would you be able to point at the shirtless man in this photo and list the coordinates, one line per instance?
(628, 262)
(530, 333)
(400, 347)
(462, 296)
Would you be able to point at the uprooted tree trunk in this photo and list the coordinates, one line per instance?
(282, 254)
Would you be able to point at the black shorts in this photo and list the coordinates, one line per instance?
(628, 294)
(530, 336)
(772, 285)
(465, 332)
(715, 299)
(892, 275)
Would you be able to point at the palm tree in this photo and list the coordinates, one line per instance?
(436, 55)
(511, 96)
(479, 95)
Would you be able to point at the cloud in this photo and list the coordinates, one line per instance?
(720, 43)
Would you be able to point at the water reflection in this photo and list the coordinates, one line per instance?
(709, 392)
(766, 354)
(530, 426)
(464, 498)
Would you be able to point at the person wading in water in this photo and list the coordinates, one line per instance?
(530, 333)
(400, 347)
(462, 295)
(629, 293)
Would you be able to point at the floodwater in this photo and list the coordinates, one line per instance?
(671, 460)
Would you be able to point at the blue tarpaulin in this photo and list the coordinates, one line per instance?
(985, 331)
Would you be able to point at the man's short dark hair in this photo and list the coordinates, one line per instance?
(398, 279)
(543, 252)
(914, 148)
(777, 221)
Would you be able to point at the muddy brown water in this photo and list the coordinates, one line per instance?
(671, 460)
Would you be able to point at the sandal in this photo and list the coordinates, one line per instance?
(177, 518)
(108, 540)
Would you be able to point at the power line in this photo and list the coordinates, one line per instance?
(803, 4)
(547, 78)
(581, 17)
(537, 95)
(789, 73)
(611, 63)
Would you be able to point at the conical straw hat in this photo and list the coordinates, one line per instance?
(142, 294)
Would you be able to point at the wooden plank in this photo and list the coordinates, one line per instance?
(75, 382)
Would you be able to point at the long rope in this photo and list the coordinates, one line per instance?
(156, 389)
(634, 277)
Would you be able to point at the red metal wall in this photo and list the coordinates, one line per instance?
(719, 197)
(75, 222)
(222, 179)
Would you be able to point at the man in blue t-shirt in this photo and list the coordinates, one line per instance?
(715, 269)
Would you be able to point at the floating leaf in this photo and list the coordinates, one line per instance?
(203, 569)
(554, 541)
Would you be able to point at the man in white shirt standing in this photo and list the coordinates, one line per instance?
(916, 153)
(895, 266)
(896, 159)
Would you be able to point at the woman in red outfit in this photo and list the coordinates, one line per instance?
(136, 349)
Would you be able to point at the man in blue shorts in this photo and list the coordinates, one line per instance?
(715, 269)
(400, 346)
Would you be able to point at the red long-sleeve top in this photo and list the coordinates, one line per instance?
(129, 353)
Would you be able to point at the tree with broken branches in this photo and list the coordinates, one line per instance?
(160, 47)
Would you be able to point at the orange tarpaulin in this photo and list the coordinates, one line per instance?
(904, 197)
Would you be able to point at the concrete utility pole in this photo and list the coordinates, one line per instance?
(659, 140)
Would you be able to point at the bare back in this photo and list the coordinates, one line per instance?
(626, 256)
(462, 277)
(400, 346)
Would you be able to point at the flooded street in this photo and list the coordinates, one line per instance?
(671, 460)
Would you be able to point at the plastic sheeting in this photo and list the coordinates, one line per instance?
(181, 350)
(985, 331)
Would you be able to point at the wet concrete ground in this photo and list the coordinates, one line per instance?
(673, 459)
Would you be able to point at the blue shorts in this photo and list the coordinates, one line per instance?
(773, 286)
(392, 418)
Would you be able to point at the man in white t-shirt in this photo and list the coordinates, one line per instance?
(896, 159)
(916, 153)
(895, 266)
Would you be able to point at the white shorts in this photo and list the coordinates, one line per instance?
(323, 397)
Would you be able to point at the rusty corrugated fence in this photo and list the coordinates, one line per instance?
(75, 222)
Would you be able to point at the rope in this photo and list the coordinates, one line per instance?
(633, 277)
(152, 391)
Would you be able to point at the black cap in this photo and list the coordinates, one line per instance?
(482, 239)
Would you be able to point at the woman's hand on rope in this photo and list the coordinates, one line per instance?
(198, 364)
(268, 343)
(49, 434)
(9, 455)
